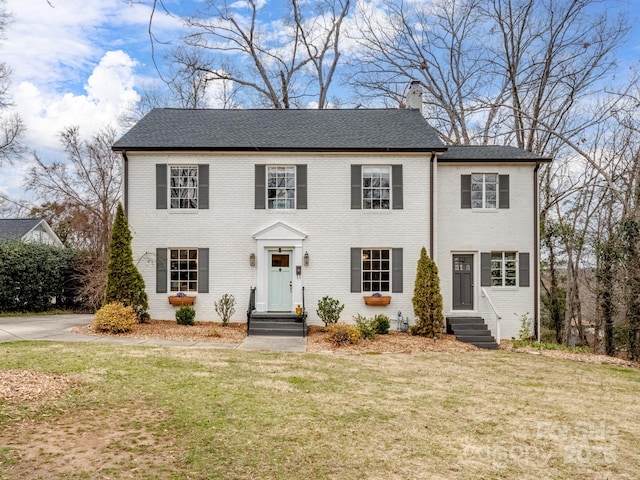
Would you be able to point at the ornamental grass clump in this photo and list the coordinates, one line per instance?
(115, 317)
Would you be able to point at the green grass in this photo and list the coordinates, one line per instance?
(34, 314)
(150, 412)
(549, 346)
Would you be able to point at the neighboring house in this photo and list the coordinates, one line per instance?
(34, 230)
(301, 204)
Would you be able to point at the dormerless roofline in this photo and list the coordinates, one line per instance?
(275, 149)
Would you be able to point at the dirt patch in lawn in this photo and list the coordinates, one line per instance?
(88, 442)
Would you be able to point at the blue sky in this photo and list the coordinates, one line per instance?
(75, 62)
(83, 62)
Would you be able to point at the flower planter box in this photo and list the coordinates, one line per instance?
(383, 300)
(178, 301)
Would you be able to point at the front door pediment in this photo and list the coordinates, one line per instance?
(280, 231)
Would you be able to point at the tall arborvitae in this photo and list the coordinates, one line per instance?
(427, 299)
(124, 282)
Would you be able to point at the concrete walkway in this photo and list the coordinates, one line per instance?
(58, 328)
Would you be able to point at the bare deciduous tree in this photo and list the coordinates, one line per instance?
(85, 189)
(286, 62)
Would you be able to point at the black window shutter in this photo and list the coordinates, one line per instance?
(203, 187)
(396, 266)
(356, 187)
(485, 269)
(301, 187)
(161, 186)
(523, 267)
(260, 187)
(161, 270)
(503, 185)
(465, 191)
(203, 270)
(396, 178)
(356, 272)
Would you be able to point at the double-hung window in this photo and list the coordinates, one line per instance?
(376, 270)
(183, 186)
(281, 187)
(484, 190)
(183, 269)
(376, 188)
(504, 269)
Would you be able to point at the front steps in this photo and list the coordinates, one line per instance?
(471, 330)
(276, 324)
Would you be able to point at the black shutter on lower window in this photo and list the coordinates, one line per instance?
(396, 266)
(485, 269)
(203, 270)
(356, 270)
(161, 270)
(523, 270)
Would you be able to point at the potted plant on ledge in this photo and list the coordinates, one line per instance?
(180, 299)
(377, 299)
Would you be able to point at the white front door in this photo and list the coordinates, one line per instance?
(280, 281)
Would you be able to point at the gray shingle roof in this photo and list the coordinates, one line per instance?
(273, 130)
(488, 153)
(16, 228)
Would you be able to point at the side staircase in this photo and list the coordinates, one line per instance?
(277, 324)
(471, 330)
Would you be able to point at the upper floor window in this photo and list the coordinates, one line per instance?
(376, 188)
(281, 187)
(504, 269)
(183, 186)
(183, 270)
(484, 190)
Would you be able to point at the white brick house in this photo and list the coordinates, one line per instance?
(306, 203)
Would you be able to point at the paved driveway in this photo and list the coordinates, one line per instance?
(45, 327)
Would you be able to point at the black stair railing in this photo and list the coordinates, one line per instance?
(251, 308)
(304, 316)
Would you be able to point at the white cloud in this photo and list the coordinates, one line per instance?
(109, 93)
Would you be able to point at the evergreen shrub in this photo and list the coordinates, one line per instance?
(185, 315)
(115, 317)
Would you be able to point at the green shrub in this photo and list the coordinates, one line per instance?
(340, 334)
(427, 298)
(381, 324)
(31, 275)
(225, 308)
(525, 327)
(366, 327)
(185, 315)
(329, 310)
(115, 317)
(124, 282)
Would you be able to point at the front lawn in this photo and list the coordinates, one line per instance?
(114, 411)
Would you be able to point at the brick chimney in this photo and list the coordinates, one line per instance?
(413, 97)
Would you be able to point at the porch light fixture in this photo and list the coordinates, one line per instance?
(306, 259)
(252, 260)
